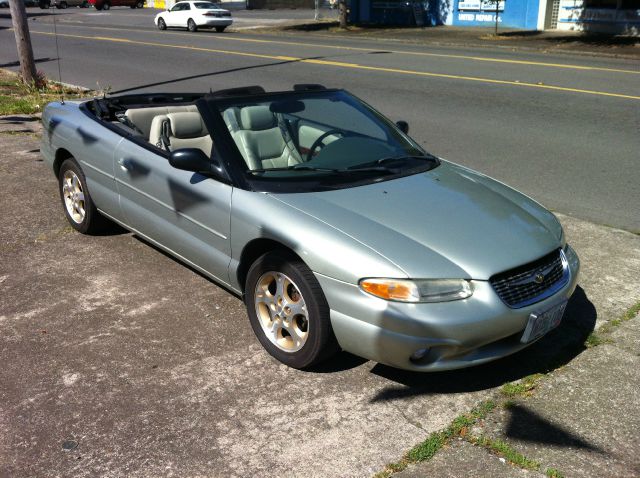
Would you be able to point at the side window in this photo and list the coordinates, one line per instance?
(186, 7)
(176, 8)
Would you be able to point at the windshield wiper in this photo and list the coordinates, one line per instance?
(390, 159)
(295, 167)
(301, 167)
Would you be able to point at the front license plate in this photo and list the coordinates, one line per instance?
(541, 323)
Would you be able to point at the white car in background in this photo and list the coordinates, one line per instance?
(194, 15)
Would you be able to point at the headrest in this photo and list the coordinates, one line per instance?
(187, 125)
(257, 118)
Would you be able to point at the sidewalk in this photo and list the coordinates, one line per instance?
(552, 41)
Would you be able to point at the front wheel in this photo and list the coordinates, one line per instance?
(288, 310)
(220, 29)
(161, 24)
(191, 25)
(79, 208)
(106, 6)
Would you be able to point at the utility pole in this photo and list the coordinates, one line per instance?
(23, 41)
(342, 6)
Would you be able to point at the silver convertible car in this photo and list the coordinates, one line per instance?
(337, 229)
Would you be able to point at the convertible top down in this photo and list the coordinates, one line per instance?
(337, 229)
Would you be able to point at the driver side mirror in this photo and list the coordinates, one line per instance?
(403, 126)
(195, 160)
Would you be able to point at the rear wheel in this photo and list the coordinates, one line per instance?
(79, 208)
(140, 5)
(191, 25)
(288, 310)
(161, 24)
(106, 6)
(220, 29)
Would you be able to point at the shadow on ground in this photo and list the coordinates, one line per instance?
(554, 350)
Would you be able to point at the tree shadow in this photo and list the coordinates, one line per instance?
(557, 348)
(528, 426)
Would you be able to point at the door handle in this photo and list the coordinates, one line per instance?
(124, 164)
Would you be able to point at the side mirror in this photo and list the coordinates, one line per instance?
(403, 126)
(195, 160)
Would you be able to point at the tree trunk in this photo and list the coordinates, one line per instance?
(23, 41)
(343, 13)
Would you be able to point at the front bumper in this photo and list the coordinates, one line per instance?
(457, 334)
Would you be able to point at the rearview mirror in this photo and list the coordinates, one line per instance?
(195, 160)
(403, 126)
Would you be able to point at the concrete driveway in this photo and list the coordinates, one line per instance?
(119, 361)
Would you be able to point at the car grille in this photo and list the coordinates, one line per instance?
(532, 282)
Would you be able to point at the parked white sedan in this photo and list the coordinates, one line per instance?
(194, 15)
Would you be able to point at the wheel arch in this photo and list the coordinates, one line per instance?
(255, 249)
(61, 155)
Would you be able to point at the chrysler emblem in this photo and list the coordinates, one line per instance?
(539, 278)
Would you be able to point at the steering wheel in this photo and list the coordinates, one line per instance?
(316, 144)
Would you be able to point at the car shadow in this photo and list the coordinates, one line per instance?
(552, 351)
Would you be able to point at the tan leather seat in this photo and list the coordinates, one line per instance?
(142, 118)
(180, 130)
(260, 139)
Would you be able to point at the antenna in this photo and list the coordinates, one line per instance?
(55, 33)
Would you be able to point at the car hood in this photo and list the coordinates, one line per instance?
(448, 222)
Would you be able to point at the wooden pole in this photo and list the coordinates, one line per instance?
(23, 41)
(342, 5)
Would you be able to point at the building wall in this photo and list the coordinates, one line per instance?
(512, 13)
(574, 15)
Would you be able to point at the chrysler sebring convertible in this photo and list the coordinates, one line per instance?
(337, 229)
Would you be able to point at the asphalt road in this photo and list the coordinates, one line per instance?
(563, 129)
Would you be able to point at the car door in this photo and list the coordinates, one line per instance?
(185, 212)
(172, 18)
(185, 14)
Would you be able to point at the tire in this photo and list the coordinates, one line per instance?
(298, 338)
(161, 24)
(106, 6)
(45, 4)
(220, 29)
(63, 5)
(140, 5)
(191, 25)
(82, 214)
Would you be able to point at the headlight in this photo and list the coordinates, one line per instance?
(418, 290)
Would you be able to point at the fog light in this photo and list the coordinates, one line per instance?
(419, 355)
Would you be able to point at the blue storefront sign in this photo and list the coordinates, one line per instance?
(511, 13)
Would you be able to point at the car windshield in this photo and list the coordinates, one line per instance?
(329, 133)
(206, 5)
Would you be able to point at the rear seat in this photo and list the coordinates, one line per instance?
(142, 117)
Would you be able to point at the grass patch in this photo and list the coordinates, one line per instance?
(523, 387)
(600, 337)
(553, 473)
(17, 97)
(503, 449)
(428, 448)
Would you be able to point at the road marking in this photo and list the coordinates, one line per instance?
(398, 52)
(346, 65)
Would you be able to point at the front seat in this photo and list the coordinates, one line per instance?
(262, 139)
(180, 130)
